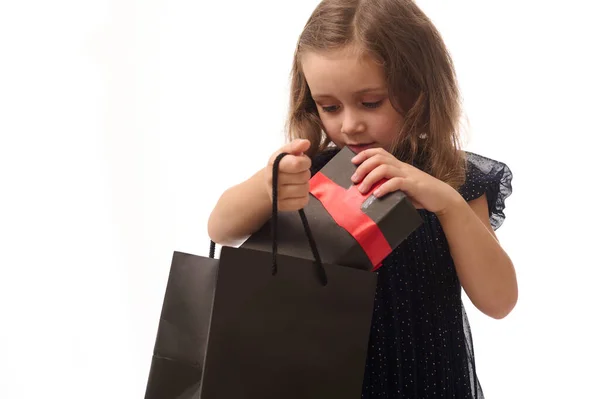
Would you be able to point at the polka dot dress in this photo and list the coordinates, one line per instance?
(420, 342)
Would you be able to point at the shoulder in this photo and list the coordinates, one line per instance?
(489, 177)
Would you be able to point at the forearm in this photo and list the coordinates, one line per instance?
(484, 269)
(240, 211)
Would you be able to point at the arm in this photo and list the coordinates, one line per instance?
(484, 269)
(244, 208)
(240, 211)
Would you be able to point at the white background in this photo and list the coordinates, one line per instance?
(122, 122)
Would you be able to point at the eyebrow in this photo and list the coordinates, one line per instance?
(362, 91)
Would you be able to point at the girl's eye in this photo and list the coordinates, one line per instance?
(373, 105)
(334, 108)
(331, 108)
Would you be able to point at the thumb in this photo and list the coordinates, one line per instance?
(296, 147)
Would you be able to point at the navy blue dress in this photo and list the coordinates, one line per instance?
(420, 343)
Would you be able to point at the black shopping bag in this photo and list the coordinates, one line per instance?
(258, 325)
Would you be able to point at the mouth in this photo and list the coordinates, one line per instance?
(357, 148)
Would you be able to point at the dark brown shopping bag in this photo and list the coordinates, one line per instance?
(258, 325)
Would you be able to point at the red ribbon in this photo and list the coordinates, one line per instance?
(344, 206)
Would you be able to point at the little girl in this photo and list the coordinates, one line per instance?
(375, 75)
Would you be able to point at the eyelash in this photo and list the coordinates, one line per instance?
(371, 105)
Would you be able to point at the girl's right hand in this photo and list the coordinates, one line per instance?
(293, 178)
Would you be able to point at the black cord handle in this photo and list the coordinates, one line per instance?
(313, 245)
(274, 214)
(211, 252)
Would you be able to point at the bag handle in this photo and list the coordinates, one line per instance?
(274, 213)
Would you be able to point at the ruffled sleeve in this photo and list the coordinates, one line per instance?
(490, 177)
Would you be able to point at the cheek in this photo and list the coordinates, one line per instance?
(331, 128)
(387, 128)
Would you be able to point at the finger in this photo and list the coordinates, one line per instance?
(296, 147)
(394, 184)
(380, 172)
(368, 153)
(294, 178)
(295, 164)
(417, 205)
(293, 191)
(292, 204)
(367, 167)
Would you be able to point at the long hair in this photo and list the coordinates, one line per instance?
(419, 72)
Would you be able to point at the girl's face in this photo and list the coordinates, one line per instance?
(352, 99)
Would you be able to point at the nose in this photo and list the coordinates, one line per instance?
(352, 123)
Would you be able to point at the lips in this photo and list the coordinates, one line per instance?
(356, 148)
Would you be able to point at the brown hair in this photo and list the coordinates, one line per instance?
(419, 72)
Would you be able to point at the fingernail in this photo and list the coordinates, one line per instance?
(353, 178)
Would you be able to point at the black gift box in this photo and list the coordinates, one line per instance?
(392, 219)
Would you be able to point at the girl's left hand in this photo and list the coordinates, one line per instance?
(424, 190)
